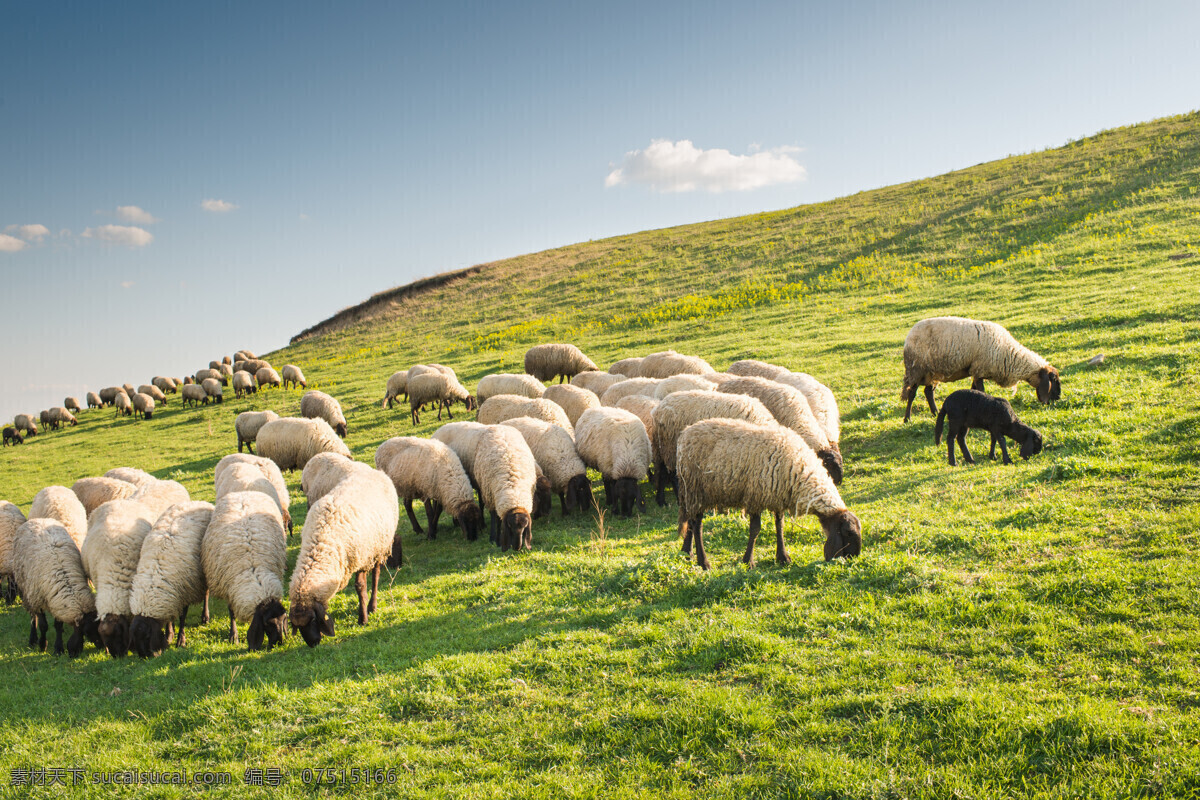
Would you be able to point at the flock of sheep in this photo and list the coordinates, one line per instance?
(756, 438)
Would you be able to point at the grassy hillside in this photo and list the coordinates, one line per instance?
(1024, 631)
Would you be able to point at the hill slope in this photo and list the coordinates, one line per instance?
(1009, 631)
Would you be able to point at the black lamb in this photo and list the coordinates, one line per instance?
(11, 436)
(968, 408)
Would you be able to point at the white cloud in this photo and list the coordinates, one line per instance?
(304, 217)
(667, 166)
(11, 244)
(127, 284)
(137, 215)
(30, 233)
(127, 236)
(218, 206)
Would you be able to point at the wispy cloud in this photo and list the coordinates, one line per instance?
(30, 233)
(667, 166)
(218, 206)
(11, 244)
(126, 236)
(127, 284)
(136, 215)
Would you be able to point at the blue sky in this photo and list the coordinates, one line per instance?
(357, 146)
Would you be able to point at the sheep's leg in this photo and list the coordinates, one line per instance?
(781, 555)
(977, 384)
(42, 631)
(660, 483)
(562, 498)
(962, 443)
(440, 404)
(58, 643)
(374, 589)
(170, 629)
(181, 639)
(701, 557)
(416, 419)
(610, 497)
(950, 447)
(494, 527)
(239, 444)
(755, 527)
(33, 631)
(412, 517)
(929, 398)
(204, 615)
(911, 392)
(433, 512)
(233, 637)
(449, 413)
(360, 588)
(1003, 449)
(992, 452)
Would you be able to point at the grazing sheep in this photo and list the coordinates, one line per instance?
(208, 374)
(155, 392)
(554, 451)
(71, 404)
(269, 470)
(11, 519)
(129, 390)
(613, 394)
(123, 404)
(293, 375)
(821, 400)
(226, 373)
(507, 406)
(212, 388)
(629, 367)
(93, 400)
(549, 361)
(968, 408)
(143, 404)
(735, 464)
(24, 422)
(266, 376)
(194, 394)
(350, 531)
(750, 368)
(169, 577)
(240, 476)
(243, 555)
(291, 441)
(324, 471)
(946, 349)
(11, 436)
(422, 369)
(596, 382)
(132, 475)
(614, 442)
(95, 492)
(243, 355)
(437, 388)
(243, 384)
(669, 363)
(677, 411)
(397, 385)
(429, 471)
(109, 394)
(314, 405)
(573, 399)
(247, 425)
(508, 383)
(683, 383)
(253, 365)
(214, 365)
(790, 409)
(226, 360)
(642, 407)
(462, 438)
(47, 422)
(187, 381)
(60, 503)
(110, 559)
(160, 495)
(48, 569)
(507, 473)
(165, 384)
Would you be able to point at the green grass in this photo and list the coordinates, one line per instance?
(1025, 631)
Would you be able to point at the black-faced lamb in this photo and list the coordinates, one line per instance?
(946, 349)
(314, 405)
(556, 360)
(12, 436)
(967, 408)
(614, 443)
(727, 464)
(49, 571)
(165, 384)
(429, 471)
(463, 439)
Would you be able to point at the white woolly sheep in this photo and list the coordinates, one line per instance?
(291, 441)
(269, 470)
(613, 394)
(677, 411)
(155, 392)
(247, 425)
(507, 474)
(169, 578)
(669, 363)
(60, 503)
(614, 442)
(683, 383)
(316, 404)
(253, 365)
(160, 495)
(95, 492)
(110, 558)
(214, 364)
(212, 388)
(24, 422)
(733, 464)
(396, 385)
(790, 409)
(109, 394)
(132, 475)
(821, 400)
(753, 368)
(123, 404)
(143, 404)
(165, 384)
(642, 407)
(431, 387)
(71, 404)
(205, 374)
(244, 555)
(243, 384)
(947, 349)
(463, 439)
(350, 531)
(266, 376)
(240, 476)
(508, 383)
(557, 360)
(11, 519)
(596, 382)
(128, 389)
(629, 367)
(574, 399)
(194, 394)
(93, 400)
(292, 374)
(59, 416)
(226, 373)
(243, 355)
(48, 568)
(429, 471)
(554, 451)
(507, 406)
(324, 472)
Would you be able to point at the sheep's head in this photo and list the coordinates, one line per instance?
(147, 636)
(340, 429)
(114, 635)
(518, 525)
(843, 535)
(1049, 388)
(269, 620)
(470, 520)
(579, 492)
(543, 497)
(313, 623)
(1031, 442)
(626, 496)
(832, 460)
(87, 628)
